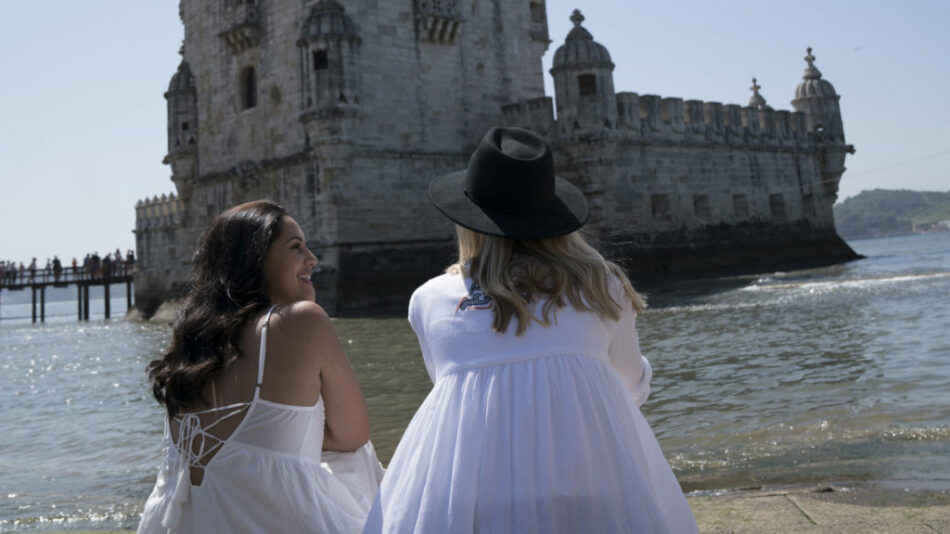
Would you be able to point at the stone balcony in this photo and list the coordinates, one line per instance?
(242, 26)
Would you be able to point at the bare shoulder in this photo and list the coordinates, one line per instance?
(302, 317)
(303, 326)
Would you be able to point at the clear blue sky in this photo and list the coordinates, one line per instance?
(82, 128)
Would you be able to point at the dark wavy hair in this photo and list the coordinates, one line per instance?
(229, 289)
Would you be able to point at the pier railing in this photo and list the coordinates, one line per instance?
(38, 280)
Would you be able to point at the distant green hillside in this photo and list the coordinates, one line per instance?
(884, 212)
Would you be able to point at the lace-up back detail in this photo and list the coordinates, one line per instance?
(201, 433)
(259, 425)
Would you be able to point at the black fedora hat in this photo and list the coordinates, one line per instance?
(509, 189)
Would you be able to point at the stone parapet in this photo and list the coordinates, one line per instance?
(674, 120)
(158, 212)
(536, 114)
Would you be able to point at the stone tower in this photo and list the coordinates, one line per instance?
(583, 83)
(817, 99)
(343, 112)
(182, 102)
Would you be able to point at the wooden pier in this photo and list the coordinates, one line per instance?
(38, 283)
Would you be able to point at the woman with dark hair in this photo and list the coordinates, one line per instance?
(533, 423)
(258, 392)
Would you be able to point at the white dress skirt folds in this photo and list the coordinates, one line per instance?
(269, 475)
(538, 433)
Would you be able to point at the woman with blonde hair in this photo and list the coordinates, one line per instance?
(533, 422)
(262, 405)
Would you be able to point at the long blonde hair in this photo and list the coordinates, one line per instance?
(515, 272)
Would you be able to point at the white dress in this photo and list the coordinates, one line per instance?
(534, 433)
(269, 475)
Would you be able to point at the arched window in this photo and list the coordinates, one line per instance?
(248, 88)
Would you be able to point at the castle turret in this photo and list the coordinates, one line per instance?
(329, 47)
(817, 98)
(583, 83)
(182, 99)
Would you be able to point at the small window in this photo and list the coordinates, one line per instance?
(701, 206)
(320, 61)
(537, 12)
(249, 88)
(587, 84)
(777, 207)
(184, 126)
(660, 205)
(741, 206)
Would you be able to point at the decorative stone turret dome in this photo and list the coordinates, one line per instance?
(580, 49)
(182, 80)
(812, 83)
(327, 18)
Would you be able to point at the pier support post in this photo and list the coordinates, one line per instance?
(105, 290)
(128, 295)
(33, 294)
(85, 303)
(43, 303)
(79, 301)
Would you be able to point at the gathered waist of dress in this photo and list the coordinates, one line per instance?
(455, 368)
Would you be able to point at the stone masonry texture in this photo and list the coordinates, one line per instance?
(344, 111)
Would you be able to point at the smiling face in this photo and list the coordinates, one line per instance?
(289, 265)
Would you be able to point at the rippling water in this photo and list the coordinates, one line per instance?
(836, 375)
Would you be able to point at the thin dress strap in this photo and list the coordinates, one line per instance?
(263, 354)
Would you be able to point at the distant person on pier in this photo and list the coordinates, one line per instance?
(107, 266)
(533, 423)
(129, 262)
(33, 270)
(96, 265)
(266, 427)
(57, 269)
(75, 266)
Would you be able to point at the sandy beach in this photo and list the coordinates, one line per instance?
(821, 509)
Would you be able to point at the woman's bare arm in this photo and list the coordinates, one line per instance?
(315, 346)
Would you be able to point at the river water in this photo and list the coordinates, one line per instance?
(836, 375)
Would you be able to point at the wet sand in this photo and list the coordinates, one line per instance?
(822, 509)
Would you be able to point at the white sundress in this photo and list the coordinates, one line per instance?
(538, 433)
(269, 475)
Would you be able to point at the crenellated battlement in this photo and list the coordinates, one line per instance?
(536, 114)
(158, 212)
(672, 120)
(343, 112)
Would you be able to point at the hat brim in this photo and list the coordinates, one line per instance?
(568, 213)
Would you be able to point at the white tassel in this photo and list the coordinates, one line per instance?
(179, 496)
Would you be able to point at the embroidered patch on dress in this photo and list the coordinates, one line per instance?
(475, 300)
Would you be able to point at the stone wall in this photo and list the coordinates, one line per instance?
(161, 265)
(355, 106)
